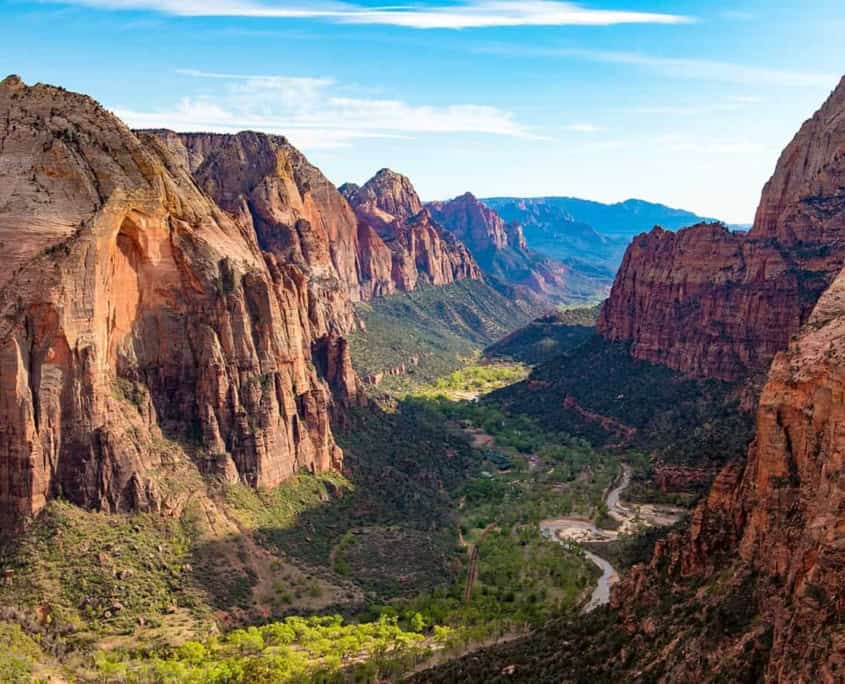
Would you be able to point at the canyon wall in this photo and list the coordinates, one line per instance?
(755, 583)
(136, 312)
(769, 535)
(712, 303)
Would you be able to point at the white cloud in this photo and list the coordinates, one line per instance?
(678, 67)
(706, 150)
(312, 116)
(455, 15)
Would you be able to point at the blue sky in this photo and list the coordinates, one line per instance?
(687, 103)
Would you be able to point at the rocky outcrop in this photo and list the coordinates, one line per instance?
(708, 302)
(293, 212)
(501, 251)
(712, 303)
(387, 193)
(135, 310)
(418, 249)
(762, 565)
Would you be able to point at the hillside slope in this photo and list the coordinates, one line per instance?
(411, 338)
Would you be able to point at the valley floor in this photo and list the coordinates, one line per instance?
(458, 524)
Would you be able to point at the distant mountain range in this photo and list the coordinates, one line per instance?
(582, 231)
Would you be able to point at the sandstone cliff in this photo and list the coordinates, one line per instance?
(765, 549)
(501, 251)
(713, 303)
(390, 211)
(293, 212)
(134, 310)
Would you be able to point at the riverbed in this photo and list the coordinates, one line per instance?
(630, 519)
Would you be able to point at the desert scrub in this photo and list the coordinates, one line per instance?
(19, 655)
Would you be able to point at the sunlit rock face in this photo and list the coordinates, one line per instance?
(768, 542)
(135, 309)
(712, 303)
(390, 213)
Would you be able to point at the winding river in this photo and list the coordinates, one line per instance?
(581, 529)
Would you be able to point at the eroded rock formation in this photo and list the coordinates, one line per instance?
(771, 529)
(713, 303)
(756, 581)
(135, 310)
(418, 249)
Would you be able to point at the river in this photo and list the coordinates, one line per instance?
(581, 529)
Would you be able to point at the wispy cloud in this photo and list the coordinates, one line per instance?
(454, 15)
(679, 143)
(313, 116)
(675, 67)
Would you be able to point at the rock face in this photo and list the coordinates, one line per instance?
(501, 251)
(712, 303)
(135, 309)
(479, 227)
(388, 192)
(400, 233)
(772, 527)
(763, 561)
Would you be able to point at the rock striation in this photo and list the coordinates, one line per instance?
(401, 233)
(136, 311)
(714, 303)
(501, 251)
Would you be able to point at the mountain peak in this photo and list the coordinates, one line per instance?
(391, 192)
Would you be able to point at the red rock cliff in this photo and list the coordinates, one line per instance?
(755, 584)
(389, 210)
(478, 226)
(771, 533)
(134, 308)
(715, 304)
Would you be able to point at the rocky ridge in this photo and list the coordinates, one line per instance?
(710, 302)
(770, 532)
(418, 249)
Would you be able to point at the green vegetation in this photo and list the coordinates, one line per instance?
(295, 650)
(437, 489)
(88, 574)
(474, 380)
(546, 337)
(432, 331)
(20, 655)
(650, 407)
